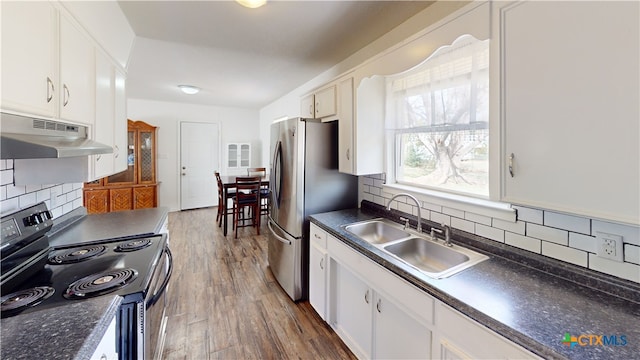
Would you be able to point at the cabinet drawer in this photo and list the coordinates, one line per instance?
(411, 299)
(318, 236)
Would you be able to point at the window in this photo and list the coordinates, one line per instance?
(438, 120)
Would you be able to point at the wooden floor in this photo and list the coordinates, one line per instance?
(224, 303)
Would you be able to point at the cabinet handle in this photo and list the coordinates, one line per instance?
(511, 157)
(317, 107)
(378, 305)
(311, 109)
(366, 297)
(348, 154)
(66, 95)
(117, 151)
(322, 263)
(98, 157)
(50, 89)
(317, 236)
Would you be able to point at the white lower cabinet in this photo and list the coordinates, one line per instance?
(318, 271)
(377, 314)
(460, 337)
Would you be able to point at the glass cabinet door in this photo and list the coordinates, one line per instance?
(245, 155)
(233, 155)
(146, 140)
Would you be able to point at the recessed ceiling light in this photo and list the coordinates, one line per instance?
(252, 4)
(188, 89)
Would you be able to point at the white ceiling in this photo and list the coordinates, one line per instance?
(243, 57)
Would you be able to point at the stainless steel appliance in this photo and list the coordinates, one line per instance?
(36, 277)
(304, 180)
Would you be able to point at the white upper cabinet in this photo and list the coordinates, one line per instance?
(320, 104)
(103, 131)
(120, 139)
(569, 106)
(361, 126)
(29, 57)
(48, 64)
(76, 93)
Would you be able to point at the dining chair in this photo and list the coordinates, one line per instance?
(223, 204)
(265, 201)
(247, 196)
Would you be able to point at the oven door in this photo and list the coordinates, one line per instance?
(155, 320)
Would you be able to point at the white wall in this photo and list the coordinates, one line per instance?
(236, 125)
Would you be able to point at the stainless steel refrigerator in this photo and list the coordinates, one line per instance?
(304, 180)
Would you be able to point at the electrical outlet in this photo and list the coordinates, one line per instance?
(610, 246)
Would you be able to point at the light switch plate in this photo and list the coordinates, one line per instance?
(610, 246)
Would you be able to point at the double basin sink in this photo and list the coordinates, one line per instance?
(430, 256)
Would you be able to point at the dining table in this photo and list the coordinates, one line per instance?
(229, 182)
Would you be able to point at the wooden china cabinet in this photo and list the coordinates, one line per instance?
(134, 188)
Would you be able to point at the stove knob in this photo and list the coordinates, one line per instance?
(47, 215)
(31, 220)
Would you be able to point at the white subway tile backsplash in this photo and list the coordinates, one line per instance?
(3, 165)
(463, 225)
(490, 233)
(583, 242)
(630, 234)
(453, 212)
(522, 242)
(529, 215)
(27, 200)
(14, 191)
(565, 237)
(567, 222)
(517, 227)
(623, 270)
(564, 253)
(480, 219)
(9, 205)
(406, 208)
(549, 234)
(3, 192)
(441, 218)
(33, 188)
(632, 254)
(6, 177)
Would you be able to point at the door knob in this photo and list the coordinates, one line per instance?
(184, 168)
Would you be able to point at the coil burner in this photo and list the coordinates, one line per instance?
(76, 255)
(100, 283)
(20, 300)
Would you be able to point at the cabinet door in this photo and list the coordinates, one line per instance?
(570, 102)
(29, 57)
(397, 335)
(144, 197)
(306, 107)
(120, 199)
(232, 155)
(345, 127)
(353, 299)
(318, 279)
(103, 129)
(325, 102)
(146, 157)
(245, 155)
(77, 74)
(96, 201)
(120, 123)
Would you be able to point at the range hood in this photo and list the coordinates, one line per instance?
(31, 138)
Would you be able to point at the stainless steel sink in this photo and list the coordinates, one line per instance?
(377, 231)
(432, 258)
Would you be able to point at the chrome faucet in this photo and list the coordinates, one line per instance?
(419, 228)
(447, 234)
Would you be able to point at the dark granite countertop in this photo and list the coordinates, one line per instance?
(65, 332)
(511, 295)
(79, 228)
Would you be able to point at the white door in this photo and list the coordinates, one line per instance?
(199, 159)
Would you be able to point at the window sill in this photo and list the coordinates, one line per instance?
(498, 210)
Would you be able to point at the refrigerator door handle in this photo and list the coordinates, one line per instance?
(278, 237)
(277, 174)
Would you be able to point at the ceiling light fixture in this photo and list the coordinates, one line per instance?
(252, 4)
(188, 89)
